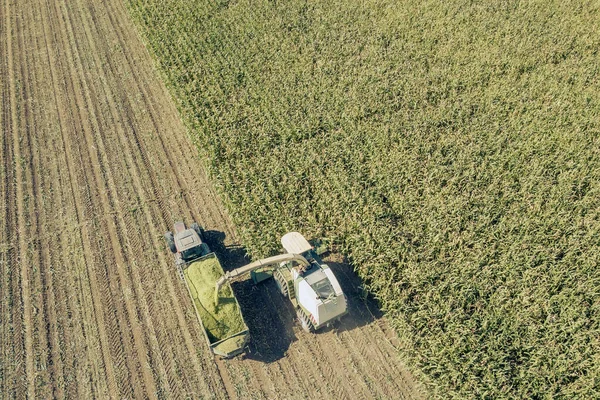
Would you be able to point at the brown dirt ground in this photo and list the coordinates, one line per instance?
(95, 166)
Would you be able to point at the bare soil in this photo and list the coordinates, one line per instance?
(95, 167)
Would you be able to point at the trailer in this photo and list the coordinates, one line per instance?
(223, 325)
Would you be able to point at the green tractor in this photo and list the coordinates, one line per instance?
(186, 244)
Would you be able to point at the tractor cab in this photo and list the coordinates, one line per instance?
(187, 243)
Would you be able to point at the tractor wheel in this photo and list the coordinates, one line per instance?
(198, 230)
(305, 322)
(281, 283)
(170, 242)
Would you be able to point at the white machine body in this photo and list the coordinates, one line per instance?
(320, 294)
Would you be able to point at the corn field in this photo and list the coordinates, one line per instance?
(451, 150)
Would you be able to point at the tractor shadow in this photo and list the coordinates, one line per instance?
(271, 319)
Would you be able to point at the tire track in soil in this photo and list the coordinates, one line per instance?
(132, 355)
(296, 356)
(21, 312)
(310, 363)
(358, 349)
(306, 367)
(44, 350)
(285, 370)
(257, 374)
(347, 372)
(351, 383)
(5, 245)
(52, 210)
(79, 192)
(366, 370)
(65, 382)
(243, 387)
(178, 179)
(74, 154)
(129, 117)
(371, 368)
(294, 361)
(3, 250)
(71, 381)
(385, 354)
(270, 375)
(80, 333)
(117, 226)
(372, 379)
(287, 364)
(259, 378)
(6, 200)
(255, 383)
(48, 267)
(133, 241)
(168, 353)
(356, 380)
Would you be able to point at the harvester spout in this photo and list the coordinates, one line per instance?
(256, 265)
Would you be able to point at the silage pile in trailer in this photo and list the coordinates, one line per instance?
(220, 320)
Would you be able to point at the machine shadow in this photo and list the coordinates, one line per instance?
(271, 319)
(363, 308)
(268, 316)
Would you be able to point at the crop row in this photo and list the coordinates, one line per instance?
(450, 150)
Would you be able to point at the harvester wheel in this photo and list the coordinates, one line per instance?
(305, 322)
(198, 230)
(281, 283)
(170, 242)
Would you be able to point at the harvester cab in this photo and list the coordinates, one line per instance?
(301, 277)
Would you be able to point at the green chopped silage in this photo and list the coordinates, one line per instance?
(220, 320)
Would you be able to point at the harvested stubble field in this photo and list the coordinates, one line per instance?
(451, 149)
(95, 167)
